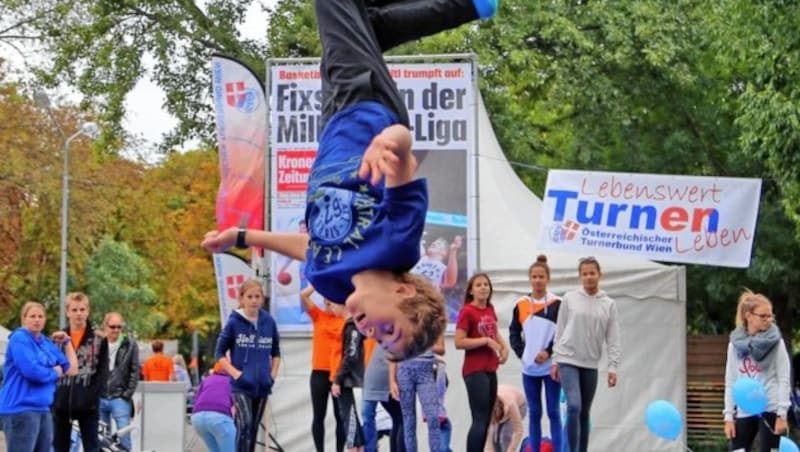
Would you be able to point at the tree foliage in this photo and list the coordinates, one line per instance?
(119, 280)
(134, 230)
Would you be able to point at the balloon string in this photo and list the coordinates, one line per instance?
(687, 448)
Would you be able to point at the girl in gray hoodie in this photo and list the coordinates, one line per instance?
(756, 350)
(586, 319)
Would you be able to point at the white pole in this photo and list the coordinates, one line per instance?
(62, 282)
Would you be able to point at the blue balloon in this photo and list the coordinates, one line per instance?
(749, 395)
(663, 419)
(788, 445)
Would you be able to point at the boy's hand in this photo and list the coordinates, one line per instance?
(379, 160)
(389, 154)
(217, 242)
(336, 390)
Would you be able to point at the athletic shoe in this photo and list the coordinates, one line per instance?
(485, 8)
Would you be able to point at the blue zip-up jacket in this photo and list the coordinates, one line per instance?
(252, 348)
(30, 380)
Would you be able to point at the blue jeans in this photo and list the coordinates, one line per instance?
(446, 429)
(28, 431)
(579, 385)
(533, 393)
(216, 429)
(370, 430)
(368, 409)
(120, 411)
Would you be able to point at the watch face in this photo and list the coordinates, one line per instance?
(240, 243)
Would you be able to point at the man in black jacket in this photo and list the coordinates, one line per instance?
(123, 364)
(78, 397)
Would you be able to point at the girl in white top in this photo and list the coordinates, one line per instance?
(756, 350)
(587, 319)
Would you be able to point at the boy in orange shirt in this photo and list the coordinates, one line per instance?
(158, 367)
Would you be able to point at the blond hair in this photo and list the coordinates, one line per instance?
(247, 285)
(75, 297)
(748, 302)
(178, 359)
(30, 305)
(426, 312)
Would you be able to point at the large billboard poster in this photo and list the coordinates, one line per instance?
(440, 99)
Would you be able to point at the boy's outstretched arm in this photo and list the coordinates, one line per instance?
(291, 244)
(389, 154)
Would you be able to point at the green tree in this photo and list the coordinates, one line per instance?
(118, 280)
(164, 220)
(756, 44)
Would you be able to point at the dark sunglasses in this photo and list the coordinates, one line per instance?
(115, 327)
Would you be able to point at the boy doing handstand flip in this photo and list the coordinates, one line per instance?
(365, 212)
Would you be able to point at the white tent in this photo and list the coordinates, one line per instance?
(4, 332)
(651, 302)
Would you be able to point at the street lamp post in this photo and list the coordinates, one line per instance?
(89, 129)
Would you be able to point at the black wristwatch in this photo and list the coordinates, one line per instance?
(240, 241)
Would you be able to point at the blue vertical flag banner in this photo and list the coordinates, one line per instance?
(686, 219)
(441, 102)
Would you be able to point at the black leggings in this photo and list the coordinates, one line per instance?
(354, 38)
(354, 436)
(482, 392)
(249, 412)
(748, 427)
(320, 392)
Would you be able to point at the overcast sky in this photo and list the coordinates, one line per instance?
(146, 119)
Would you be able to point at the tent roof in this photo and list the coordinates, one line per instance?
(508, 209)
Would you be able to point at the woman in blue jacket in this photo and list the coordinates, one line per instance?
(249, 350)
(33, 365)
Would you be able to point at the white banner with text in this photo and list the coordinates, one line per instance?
(687, 219)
